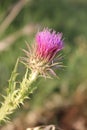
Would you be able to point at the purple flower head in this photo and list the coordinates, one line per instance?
(41, 56)
(48, 43)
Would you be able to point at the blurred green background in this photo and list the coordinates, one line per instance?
(19, 22)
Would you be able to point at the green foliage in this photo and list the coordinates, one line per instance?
(16, 96)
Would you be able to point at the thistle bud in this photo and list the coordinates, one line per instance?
(47, 45)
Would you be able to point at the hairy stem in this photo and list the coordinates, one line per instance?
(13, 99)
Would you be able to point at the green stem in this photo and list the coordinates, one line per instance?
(13, 100)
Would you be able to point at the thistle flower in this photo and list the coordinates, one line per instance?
(40, 59)
(47, 44)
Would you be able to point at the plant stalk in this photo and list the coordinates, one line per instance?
(14, 99)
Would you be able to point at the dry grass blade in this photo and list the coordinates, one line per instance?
(13, 13)
(9, 40)
(46, 127)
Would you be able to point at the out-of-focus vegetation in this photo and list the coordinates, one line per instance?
(67, 16)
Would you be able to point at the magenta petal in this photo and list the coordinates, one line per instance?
(48, 43)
